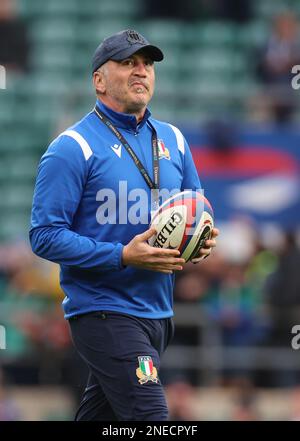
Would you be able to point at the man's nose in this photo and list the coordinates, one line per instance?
(140, 69)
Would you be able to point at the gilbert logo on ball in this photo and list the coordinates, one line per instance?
(183, 222)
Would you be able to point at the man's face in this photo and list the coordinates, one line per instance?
(128, 85)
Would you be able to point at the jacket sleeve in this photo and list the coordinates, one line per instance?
(61, 177)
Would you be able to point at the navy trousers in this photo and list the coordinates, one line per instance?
(122, 353)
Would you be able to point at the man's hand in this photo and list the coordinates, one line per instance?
(209, 244)
(140, 254)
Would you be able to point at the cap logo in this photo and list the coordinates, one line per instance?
(133, 38)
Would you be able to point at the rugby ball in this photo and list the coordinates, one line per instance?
(183, 222)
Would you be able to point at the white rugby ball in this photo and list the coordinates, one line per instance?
(183, 222)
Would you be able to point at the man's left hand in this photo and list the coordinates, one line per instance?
(209, 244)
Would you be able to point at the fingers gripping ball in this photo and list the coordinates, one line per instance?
(183, 222)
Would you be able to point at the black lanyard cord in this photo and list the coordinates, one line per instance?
(153, 184)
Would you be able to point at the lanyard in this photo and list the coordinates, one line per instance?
(153, 185)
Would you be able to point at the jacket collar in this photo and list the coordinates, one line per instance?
(123, 120)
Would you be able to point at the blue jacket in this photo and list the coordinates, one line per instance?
(87, 188)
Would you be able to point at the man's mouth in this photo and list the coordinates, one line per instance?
(139, 84)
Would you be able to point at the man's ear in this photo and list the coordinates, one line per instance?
(99, 82)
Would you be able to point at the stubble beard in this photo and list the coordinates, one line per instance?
(131, 103)
(135, 106)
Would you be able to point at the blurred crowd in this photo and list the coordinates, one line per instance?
(281, 52)
(38, 346)
(248, 291)
(239, 11)
(14, 38)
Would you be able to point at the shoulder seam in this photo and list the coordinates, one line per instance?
(86, 149)
(179, 138)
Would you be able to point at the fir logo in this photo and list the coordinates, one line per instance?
(163, 152)
(134, 38)
(146, 371)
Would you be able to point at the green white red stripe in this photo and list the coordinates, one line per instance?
(146, 365)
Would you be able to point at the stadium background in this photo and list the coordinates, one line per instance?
(232, 356)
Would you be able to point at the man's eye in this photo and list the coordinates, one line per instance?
(127, 62)
(149, 62)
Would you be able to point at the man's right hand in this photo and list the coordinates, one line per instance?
(140, 254)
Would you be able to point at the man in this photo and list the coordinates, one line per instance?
(118, 288)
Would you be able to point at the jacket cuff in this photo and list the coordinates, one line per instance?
(119, 252)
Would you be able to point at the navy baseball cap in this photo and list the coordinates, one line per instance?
(122, 45)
